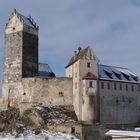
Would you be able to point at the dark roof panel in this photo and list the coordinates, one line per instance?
(117, 73)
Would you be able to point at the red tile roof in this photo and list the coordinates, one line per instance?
(90, 76)
(77, 56)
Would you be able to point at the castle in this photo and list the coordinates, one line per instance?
(98, 93)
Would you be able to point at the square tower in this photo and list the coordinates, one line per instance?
(21, 48)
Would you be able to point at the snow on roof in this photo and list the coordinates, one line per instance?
(26, 21)
(122, 133)
(117, 73)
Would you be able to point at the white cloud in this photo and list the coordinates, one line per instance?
(110, 27)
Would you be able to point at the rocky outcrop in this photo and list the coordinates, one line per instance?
(36, 118)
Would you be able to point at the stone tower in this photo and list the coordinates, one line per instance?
(21, 48)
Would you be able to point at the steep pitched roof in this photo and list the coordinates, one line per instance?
(28, 21)
(90, 76)
(77, 56)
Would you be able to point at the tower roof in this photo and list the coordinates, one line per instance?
(27, 21)
(81, 54)
(77, 56)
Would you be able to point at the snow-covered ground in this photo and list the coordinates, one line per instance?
(44, 135)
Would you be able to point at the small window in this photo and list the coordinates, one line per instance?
(108, 85)
(13, 28)
(120, 86)
(88, 64)
(102, 85)
(108, 74)
(75, 85)
(76, 75)
(90, 84)
(132, 87)
(115, 86)
(139, 88)
(60, 94)
(126, 87)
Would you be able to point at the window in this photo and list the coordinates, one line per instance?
(115, 86)
(108, 85)
(102, 85)
(126, 76)
(75, 85)
(108, 74)
(132, 87)
(126, 87)
(139, 88)
(75, 65)
(120, 86)
(88, 64)
(90, 84)
(76, 75)
(117, 75)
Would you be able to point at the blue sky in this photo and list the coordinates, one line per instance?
(110, 27)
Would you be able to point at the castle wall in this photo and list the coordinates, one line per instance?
(31, 91)
(119, 106)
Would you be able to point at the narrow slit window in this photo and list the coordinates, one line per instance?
(90, 84)
(108, 85)
(102, 85)
(126, 87)
(132, 87)
(88, 64)
(120, 86)
(115, 86)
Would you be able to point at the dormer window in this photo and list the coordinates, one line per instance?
(88, 64)
(108, 74)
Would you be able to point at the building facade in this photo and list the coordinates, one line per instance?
(106, 94)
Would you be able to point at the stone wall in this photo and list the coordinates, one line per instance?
(119, 106)
(47, 92)
(12, 57)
